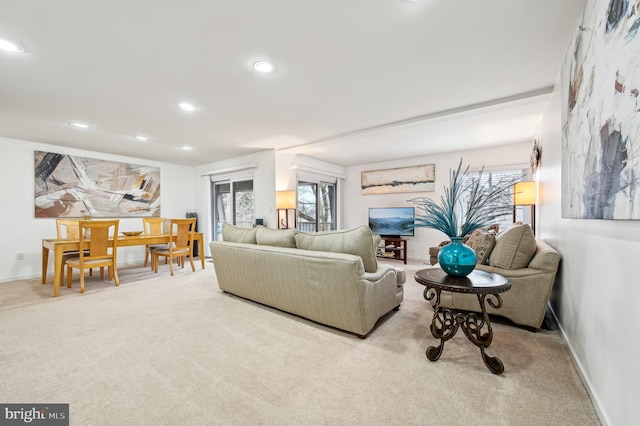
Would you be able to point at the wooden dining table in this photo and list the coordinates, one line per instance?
(60, 246)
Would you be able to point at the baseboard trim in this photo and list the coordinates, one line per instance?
(50, 274)
(593, 395)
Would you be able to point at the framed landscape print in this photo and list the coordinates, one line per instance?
(402, 179)
(72, 186)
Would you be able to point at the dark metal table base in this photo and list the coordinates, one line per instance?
(445, 324)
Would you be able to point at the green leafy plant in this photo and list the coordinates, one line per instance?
(466, 205)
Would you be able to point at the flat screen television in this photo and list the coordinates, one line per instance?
(392, 222)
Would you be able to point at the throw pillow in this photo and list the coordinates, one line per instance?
(235, 234)
(276, 237)
(495, 228)
(514, 248)
(482, 242)
(357, 241)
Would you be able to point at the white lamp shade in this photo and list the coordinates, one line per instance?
(524, 194)
(285, 199)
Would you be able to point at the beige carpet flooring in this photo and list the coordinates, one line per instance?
(161, 350)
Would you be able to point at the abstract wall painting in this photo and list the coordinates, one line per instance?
(601, 114)
(72, 186)
(403, 179)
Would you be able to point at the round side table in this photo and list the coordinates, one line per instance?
(445, 323)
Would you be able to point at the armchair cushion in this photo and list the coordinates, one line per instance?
(514, 248)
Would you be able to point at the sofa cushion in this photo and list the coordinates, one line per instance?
(276, 237)
(235, 234)
(482, 242)
(357, 241)
(514, 248)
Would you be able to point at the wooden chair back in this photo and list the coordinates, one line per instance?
(100, 245)
(67, 228)
(153, 225)
(97, 249)
(183, 231)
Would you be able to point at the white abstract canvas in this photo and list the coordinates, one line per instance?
(601, 114)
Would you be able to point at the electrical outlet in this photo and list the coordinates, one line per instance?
(20, 256)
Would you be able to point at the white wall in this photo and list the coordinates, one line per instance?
(263, 186)
(597, 292)
(285, 173)
(357, 205)
(23, 233)
(275, 171)
(598, 288)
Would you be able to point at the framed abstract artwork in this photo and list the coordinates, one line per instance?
(72, 186)
(601, 115)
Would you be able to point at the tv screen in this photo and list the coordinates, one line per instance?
(392, 221)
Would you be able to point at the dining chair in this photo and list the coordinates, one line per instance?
(153, 226)
(181, 233)
(68, 229)
(101, 246)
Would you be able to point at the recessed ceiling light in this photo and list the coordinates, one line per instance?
(186, 106)
(263, 66)
(11, 47)
(186, 147)
(79, 124)
(141, 138)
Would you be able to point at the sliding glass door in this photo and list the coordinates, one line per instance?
(233, 202)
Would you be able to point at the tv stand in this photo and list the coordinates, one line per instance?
(393, 248)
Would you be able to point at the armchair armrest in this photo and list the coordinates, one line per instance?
(513, 273)
(545, 259)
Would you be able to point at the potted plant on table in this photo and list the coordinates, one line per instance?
(467, 204)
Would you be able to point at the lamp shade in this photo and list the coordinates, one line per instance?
(285, 199)
(524, 194)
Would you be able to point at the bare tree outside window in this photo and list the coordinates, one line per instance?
(244, 201)
(316, 206)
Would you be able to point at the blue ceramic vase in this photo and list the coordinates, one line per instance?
(457, 259)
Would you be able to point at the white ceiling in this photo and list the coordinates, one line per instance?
(357, 81)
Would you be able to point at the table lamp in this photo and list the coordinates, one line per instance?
(286, 206)
(524, 194)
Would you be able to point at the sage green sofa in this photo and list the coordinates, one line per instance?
(330, 278)
(530, 264)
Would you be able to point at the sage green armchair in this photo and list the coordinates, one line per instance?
(526, 303)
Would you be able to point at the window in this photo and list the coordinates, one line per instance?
(233, 202)
(316, 206)
(489, 181)
(243, 203)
